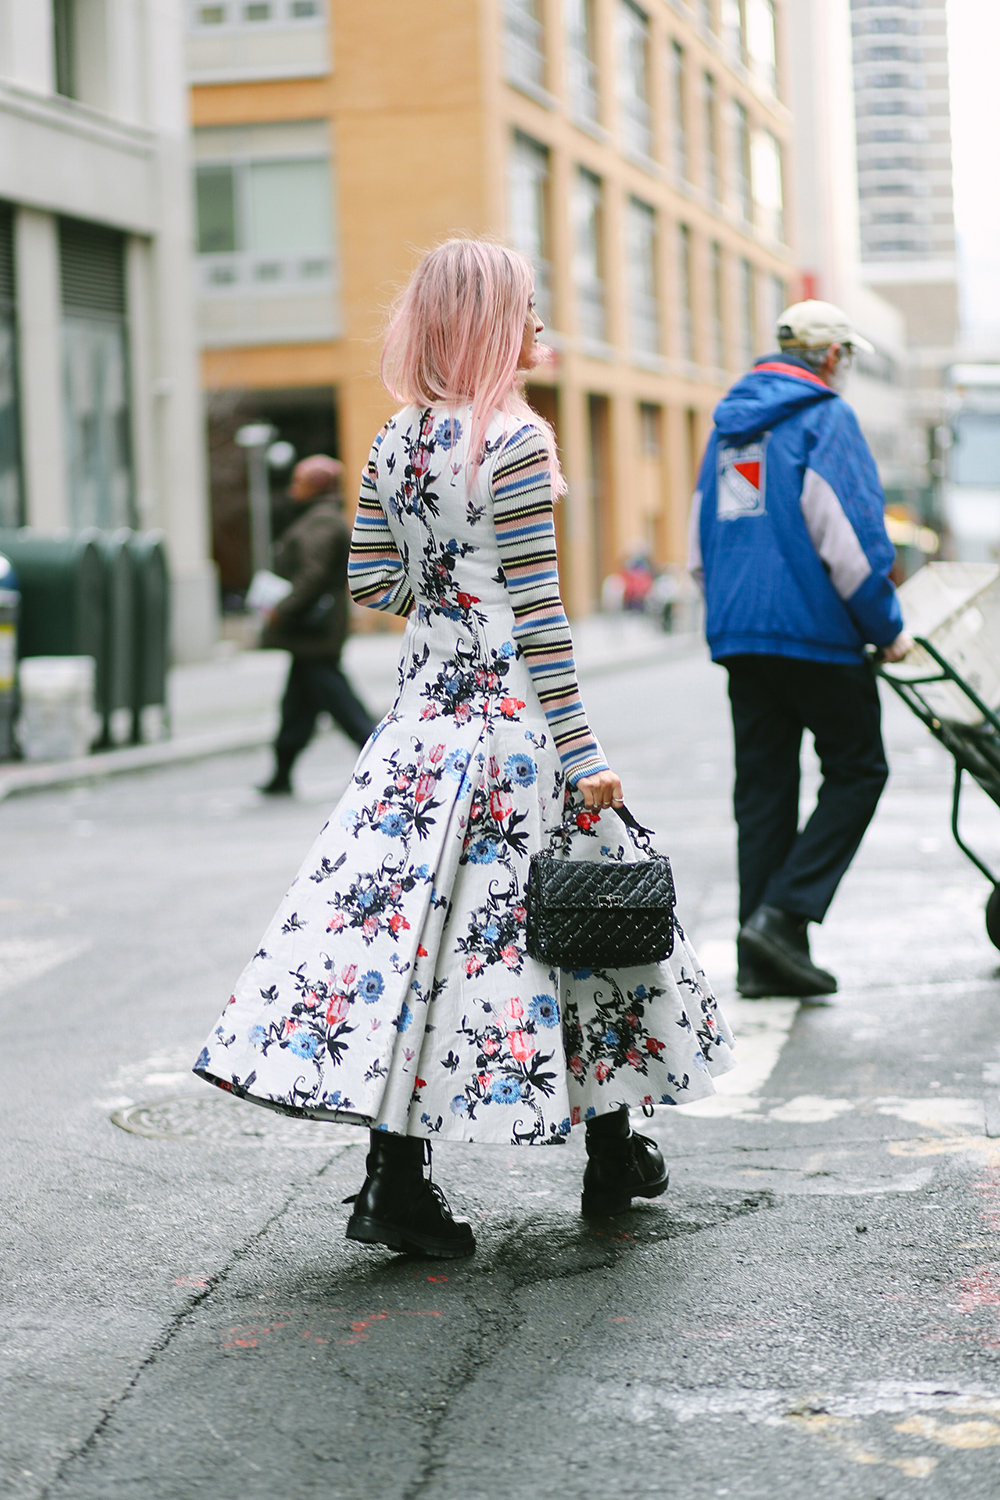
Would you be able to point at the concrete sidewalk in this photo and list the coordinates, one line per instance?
(231, 702)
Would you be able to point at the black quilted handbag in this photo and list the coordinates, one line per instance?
(585, 914)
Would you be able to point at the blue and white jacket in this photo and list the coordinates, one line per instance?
(787, 525)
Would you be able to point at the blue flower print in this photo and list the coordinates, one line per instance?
(370, 986)
(640, 992)
(455, 763)
(543, 1010)
(303, 1044)
(491, 932)
(505, 1091)
(365, 899)
(256, 1035)
(610, 1038)
(507, 650)
(202, 1062)
(522, 769)
(564, 1127)
(448, 432)
(393, 824)
(582, 973)
(421, 873)
(349, 818)
(700, 1063)
(482, 851)
(460, 1105)
(405, 1018)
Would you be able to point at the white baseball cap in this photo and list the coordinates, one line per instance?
(814, 325)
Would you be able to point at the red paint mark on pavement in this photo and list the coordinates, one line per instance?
(981, 1289)
(251, 1335)
(437, 1278)
(195, 1281)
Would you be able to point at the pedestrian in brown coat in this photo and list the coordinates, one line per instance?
(312, 620)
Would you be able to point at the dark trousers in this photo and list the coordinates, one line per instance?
(775, 698)
(316, 687)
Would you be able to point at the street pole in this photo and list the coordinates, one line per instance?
(256, 438)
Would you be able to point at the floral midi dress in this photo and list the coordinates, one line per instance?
(393, 988)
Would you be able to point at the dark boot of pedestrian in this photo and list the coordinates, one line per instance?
(757, 979)
(401, 1208)
(780, 940)
(621, 1165)
(280, 784)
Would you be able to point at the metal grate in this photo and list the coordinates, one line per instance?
(92, 268)
(6, 255)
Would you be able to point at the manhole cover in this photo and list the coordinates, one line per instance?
(221, 1118)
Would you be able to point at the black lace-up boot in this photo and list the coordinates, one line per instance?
(620, 1166)
(398, 1206)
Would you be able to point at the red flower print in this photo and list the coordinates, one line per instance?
(402, 782)
(510, 956)
(337, 1010)
(494, 769)
(421, 462)
(395, 890)
(336, 922)
(380, 808)
(485, 1081)
(370, 926)
(311, 1000)
(230, 1001)
(473, 964)
(630, 1019)
(654, 1046)
(436, 754)
(425, 786)
(466, 601)
(462, 713)
(521, 1046)
(489, 1046)
(421, 951)
(574, 1115)
(587, 820)
(348, 974)
(633, 1057)
(430, 712)
(514, 1008)
(576, 1066)
(421, 1083)
(601, 1071)
(290, 1026)
(501, 806)
(520, 915)
(397, 922)
(510, 706)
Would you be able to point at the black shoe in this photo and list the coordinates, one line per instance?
(280, 785)
(763, 981)
(397, 1206)
(620, 1166)
(780, 940)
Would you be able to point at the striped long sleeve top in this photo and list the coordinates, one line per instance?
(376, 574)
(525, 532)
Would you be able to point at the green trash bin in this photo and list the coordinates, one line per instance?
(152, 626)
(63, 596)
(115, 687)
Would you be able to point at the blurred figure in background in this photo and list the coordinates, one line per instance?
(312, 620)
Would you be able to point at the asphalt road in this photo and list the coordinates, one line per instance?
(814, 1309)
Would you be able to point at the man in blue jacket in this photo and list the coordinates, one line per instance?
(789, 540)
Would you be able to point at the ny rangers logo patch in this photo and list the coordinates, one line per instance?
(741, 485)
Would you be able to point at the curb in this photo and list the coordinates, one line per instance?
(252, 736)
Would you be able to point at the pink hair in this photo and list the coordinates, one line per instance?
(455, 336)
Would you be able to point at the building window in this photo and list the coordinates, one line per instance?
(747, 319)
(10, 444)
(644, 303)
(715, 309)
(528, 203)
(774, 306)
(588, 255)
(705, 13)
(678, 80)
(767, 190)
(95, 375)
(525, 43)
(732, 28)
(264, 226)
(711, 138)
(741, 163)
(64, 46)
(685, 326)
(253, 15)
(581, 66)
(649, 429)
(760, 42)
(633, 79)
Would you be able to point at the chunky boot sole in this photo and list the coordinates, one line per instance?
(369, 1231)
(606, 1204)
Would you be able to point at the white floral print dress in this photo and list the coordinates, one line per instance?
(393, 988)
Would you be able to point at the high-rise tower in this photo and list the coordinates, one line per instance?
(903, 118)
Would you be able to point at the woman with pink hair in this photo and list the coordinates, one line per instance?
(393, 989)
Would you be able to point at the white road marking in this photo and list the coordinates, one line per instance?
(24, 959)
(809, 1109)
(935, 1114)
